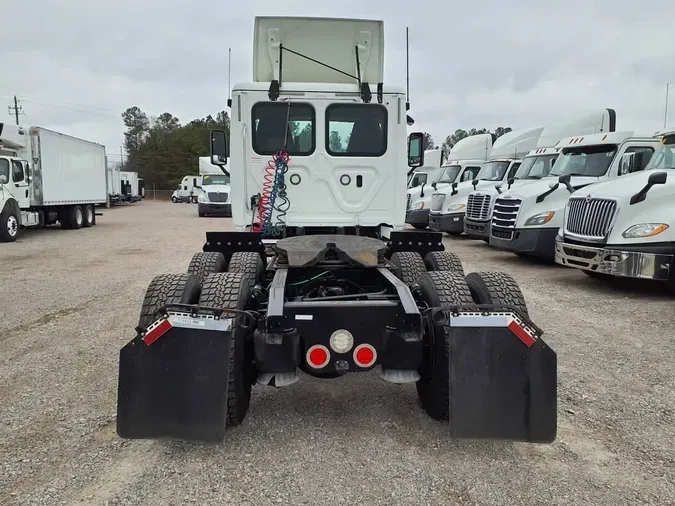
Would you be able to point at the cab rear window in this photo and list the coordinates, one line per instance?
(288, 126)
(356, 130)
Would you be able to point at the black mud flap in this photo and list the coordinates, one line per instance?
(503, 379)
(176, 386)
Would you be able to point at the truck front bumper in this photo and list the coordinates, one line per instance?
(417, 217)
(629, 262)
(477, 229)
(211, 208)
(450, 223)
(538, 242)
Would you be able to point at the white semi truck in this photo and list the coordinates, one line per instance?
(132, 187)
(526, 219)
(48, 177)
(625, 226)
(448, 205)
(188, 190)
(537, 164)
(216, 197)
(464, 161)
(431, 170)
(114, 185)
(319, 274)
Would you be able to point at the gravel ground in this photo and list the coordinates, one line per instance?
(70, 300)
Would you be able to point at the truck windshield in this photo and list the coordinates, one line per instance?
(493, 171)
(591, 161)
(4, 168)
(663, 159)
(536, 167)
(417, 180)
(449, 174)
(219, 179)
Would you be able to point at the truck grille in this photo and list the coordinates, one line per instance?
(218, 197)
(590, 218)
(505, 213)
(437, 200)
(478, 207)
(407, 203)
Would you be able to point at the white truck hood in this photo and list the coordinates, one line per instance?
(657, 207)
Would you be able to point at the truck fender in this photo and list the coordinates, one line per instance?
(12, 205)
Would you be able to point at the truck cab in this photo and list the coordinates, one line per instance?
(624, 226)
(448, 208)
(464, 161)
(428, 173)
(188, 190)
(526, 219)
(14, 194)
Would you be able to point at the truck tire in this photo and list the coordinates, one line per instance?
(408, 266)
(231, 290)
(174, 199)
(205, 263)
(419, 226)
(443, 261)
(88, 216)
(72, 218)
(168, 289)
(9, 224)
(496, 288)
(248, 262)
(438, 289)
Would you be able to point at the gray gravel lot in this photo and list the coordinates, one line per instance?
(70, 299)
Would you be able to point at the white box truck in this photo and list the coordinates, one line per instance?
(114, 186)
(537, 164)
(132, 186)
(48, 177)
(622, 226)
(216, 195)
(526, 220)
(464, 161)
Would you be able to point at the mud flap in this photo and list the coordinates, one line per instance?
(175, 387)
(503, 379)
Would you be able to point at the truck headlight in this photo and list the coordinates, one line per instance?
(417, 206)
(456, 207)
(644, 230)
(202, 199)
(539, 219)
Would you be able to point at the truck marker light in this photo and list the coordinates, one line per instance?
(318, 356)
(365, 355)
(156, 330)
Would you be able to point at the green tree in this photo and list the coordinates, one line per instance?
(428, 141)
(138, 126)
(335, 142)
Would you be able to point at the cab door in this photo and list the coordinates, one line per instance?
(19, 184)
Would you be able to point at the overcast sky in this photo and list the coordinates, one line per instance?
(77, 64)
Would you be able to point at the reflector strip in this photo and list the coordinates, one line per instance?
(520, 333)
(155, 333)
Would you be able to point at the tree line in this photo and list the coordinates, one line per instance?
(163, 151)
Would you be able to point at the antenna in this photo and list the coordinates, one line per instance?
(407, 71)
(665, 114)
(16, 110)
(229, 77)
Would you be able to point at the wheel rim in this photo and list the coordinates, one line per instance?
(12, 226)
(78, 216)
(90, 215)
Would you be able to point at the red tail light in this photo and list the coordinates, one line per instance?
(365, 355)
(318, 356)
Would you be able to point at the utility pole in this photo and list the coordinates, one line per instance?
(665, 114)
(121, 157)
(16, 110)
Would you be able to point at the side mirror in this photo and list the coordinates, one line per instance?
(454, 189)
(415, 151)
(498, 187)
(434, 185)
(657, 178)
(3, 179)
(565, 179)
(474, 183)
(218, 147)
(630, 162)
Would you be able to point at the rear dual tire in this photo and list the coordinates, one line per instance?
(409, 266)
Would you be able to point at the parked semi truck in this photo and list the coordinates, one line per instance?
(114, 186)
(132, 187)
(329, 283)
(188, 190)
(217, 195)
(449, 205)
(430, 172)
(535, 165)
(625, 226)
(526, 219)
(48, 177)
(464, 161)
